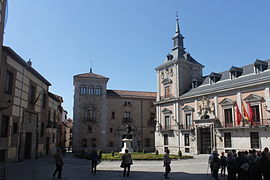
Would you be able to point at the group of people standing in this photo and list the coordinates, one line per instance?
(243, 165)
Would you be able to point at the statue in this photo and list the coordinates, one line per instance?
(129, 129)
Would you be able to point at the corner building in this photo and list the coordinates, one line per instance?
(197, 114)
(101, 115)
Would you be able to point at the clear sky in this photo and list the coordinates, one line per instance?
(127, 39)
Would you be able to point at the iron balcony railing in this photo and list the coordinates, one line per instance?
(255, 123)
(127, 120)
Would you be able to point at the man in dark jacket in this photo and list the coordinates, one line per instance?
(59, 163)
(265, 164)
(94, 158)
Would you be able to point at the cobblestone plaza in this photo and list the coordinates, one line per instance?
(74, 168)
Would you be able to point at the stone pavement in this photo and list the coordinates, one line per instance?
(74, 168)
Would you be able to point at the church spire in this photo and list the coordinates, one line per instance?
(178, 39)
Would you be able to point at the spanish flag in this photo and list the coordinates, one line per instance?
(244, 113)
(250, 112)
(238, 115)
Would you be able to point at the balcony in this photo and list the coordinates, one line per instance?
(169, 128)
(127, 120)
(89, 119)
(167, 96)
(255, 123)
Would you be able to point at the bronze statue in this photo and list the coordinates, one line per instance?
(129, 129)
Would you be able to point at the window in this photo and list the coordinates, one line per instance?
(187, 150)
(4, 127)
(258, 69)
(94, 142)
(228, 117)
(111, 144)
(127, 103)
(127, 115)
(256, 114)
(9, 83)
(147, 142)
(212, 80)
(98, 90)
(113, 115)
(54, 117)
(90, 115)
(42, 130)
(186, 139)
(15, 128)
(32, 94)
(167, 122)
(53, 138)
(166, 139)
(254, 140)
(188, 121)
(83, 89)
(111, 130)
(91, 90)
(89, 129)
(84, 143)
(167, 92)
(44, 100)
(227, 140)
(49, 116)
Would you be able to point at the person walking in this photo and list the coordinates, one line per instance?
(59, 164)
(126, 162)
(265, 164)
(223, 163)
(167, 163)
(215, 164)
(231, 167)
(94, 158)
(242, 166)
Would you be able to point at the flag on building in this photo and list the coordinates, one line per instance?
(250, 113)
(244, 112)
(238, 115)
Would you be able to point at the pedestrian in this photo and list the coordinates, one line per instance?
(126, 162)
(223, 163)
(59, 163)
(265, 164)
(94, 158)
(258, 167)
(210, 159)
(251, 157)
(231, 167)
(242, 166)
(167, 163)
(215, 164)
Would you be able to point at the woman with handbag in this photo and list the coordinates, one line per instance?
(126, 162)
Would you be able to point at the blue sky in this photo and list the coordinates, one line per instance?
(127, 39)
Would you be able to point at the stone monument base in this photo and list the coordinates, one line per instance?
(127, 145)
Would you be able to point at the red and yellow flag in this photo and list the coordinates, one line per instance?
(244, 113)
(250, 112)
(238, 115)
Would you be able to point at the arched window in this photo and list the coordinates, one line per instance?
(98, 90)
(91, 90)
(83, 89)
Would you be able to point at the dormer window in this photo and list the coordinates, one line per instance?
(169, 57)
(214, 77)
(260, 66)
(235, 72)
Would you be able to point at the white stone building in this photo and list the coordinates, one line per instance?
(197, 114)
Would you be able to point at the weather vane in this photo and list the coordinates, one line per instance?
(91, 65)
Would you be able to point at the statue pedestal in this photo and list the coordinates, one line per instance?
(127, 145)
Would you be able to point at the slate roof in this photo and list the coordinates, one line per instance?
(91, 75)
(132, 94)
(23, 63)
(247, 77)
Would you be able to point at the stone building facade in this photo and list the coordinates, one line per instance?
(101, 116)
(197, 114)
